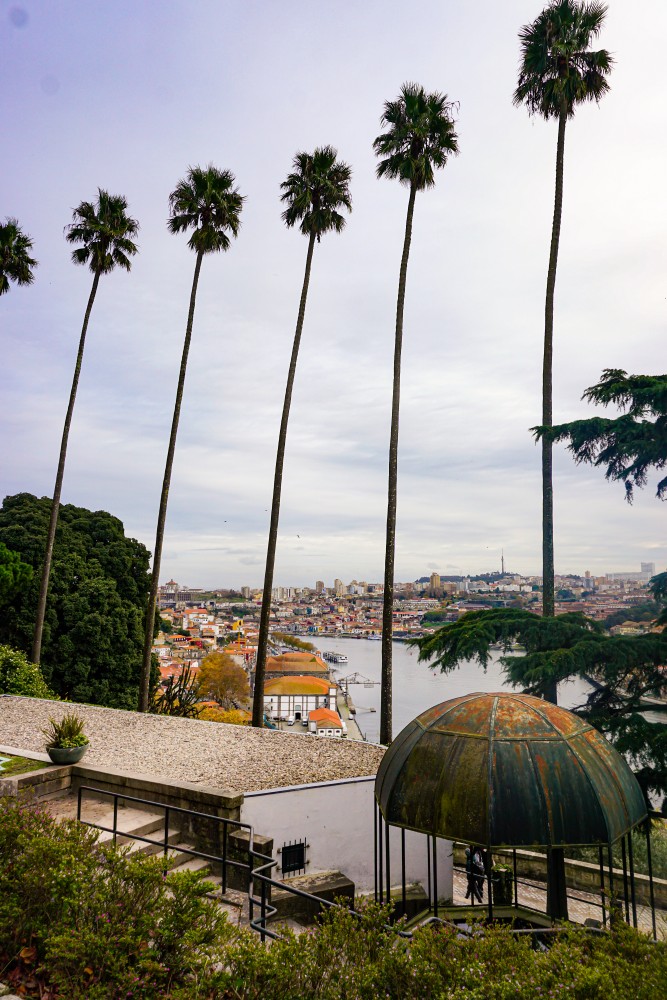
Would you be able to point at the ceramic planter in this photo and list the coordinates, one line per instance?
(66, 755)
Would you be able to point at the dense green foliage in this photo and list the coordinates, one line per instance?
(14, 574)
(94, 618)
(89, 922)
(314, 192)
(571, 645)
(19, 676)
(434, 616)
(628, 445)
(647, 611)
(93, 921)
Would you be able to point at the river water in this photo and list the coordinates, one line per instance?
(416, 686)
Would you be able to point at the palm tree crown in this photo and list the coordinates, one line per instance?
(105, 231)
(317, 187)
(15, 260)
(557, 71)
(419, 138)
(207, 202)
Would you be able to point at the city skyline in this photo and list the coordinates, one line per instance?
(645, 572)
(215, 83)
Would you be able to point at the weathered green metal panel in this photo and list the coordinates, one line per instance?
(507, 769)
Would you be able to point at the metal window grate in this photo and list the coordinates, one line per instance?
(294, 857)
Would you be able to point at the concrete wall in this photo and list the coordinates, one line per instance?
(336, 821)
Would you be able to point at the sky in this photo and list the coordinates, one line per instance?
(125, 96)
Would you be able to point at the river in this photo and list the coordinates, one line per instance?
(416, 686)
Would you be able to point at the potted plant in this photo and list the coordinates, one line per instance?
(66, 741)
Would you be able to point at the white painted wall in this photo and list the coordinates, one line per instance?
(336, 819)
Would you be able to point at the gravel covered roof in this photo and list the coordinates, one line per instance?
(237, 758)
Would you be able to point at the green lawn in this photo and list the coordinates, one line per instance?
(10, 766)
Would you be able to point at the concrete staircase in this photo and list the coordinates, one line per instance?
(134, 822)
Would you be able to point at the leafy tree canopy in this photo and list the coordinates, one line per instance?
(647, 611)
(293, 640)
(14, 574)
(94, 620)
(223, 680)
(627, 669)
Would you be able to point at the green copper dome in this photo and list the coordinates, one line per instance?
(507, 770)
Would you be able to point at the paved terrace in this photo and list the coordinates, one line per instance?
(236, 758)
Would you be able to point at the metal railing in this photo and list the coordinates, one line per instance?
(164, 842)
(259, 873)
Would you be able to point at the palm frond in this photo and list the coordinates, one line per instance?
(314, 192)
(419, 139)
(15, 261)
(105, 233)
(206, 202)
(557, 65)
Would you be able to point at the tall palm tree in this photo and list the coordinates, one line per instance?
(419, 138)
(207, 203)
(105, 233)
(15, 261)
(557, 72)
(314, 192)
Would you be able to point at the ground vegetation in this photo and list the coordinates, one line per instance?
(83, 921)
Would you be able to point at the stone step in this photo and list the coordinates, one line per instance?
(127, 827)
(139, 847)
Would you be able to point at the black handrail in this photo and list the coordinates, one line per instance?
(223, 860)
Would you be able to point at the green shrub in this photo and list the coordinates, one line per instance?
(19, 676)
(94, 921)
(83, 920)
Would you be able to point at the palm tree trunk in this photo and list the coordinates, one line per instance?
(262, 642)
(164, 498)
(55, 507)
(548, 599)
(390, 547)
